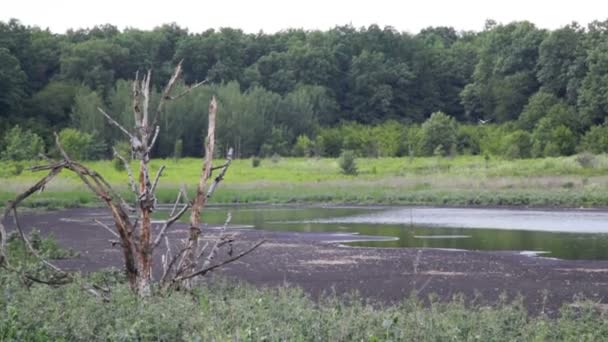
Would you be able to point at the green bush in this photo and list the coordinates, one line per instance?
(81, 146)
(178, 149)
(124, 150)
(303, 147)
(255, 161)
(347, 163)
(550, 140)
(21, 145)
(518, 145)
(439, 129)
(595, 140)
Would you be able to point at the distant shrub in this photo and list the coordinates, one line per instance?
(124, 149)
(595, 140)
(518, 145)
(439, 151)
(439, 129)
(80, 145)
(585, 159)
(303, 147)
(275, 158)
(319, 147)
(467, 140)
(255, 161)
(178, 149)
(21, 145)
(347, 162)
(550, 140)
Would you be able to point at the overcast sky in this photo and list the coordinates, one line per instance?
(274, 15)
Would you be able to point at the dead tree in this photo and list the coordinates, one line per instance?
(135, 235)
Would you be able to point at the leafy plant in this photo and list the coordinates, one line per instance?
(347, 163)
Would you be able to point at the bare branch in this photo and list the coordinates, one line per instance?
(3, 259)
(36, 187)
(211, 268)
(129, 172)
(115, 123)
(135, 105)
(167, 271)
(167, 92)
(168, 224)
(220, 177)
(158, 174)
(145, 85)
(188, 90)
(218, 242)
(106, 227)
(154, 137)
(179, 196)
(29, 245)
(201, 199)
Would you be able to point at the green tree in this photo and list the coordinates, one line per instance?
(595, 140)
(21, 145)
(439, 129)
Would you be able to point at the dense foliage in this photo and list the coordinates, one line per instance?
(318, 92)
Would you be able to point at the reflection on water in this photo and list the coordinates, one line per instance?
(577, 235)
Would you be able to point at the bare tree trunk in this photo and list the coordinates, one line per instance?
(135, 238)
(200, 199)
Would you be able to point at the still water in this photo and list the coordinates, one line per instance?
(559, 234)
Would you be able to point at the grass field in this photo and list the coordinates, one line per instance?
(465, 180)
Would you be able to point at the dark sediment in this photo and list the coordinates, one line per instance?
(317, 263)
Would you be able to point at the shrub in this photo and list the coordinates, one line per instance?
(178, 149)
(585, 159)
(550, 140)
(124, 149)
(595, 140)
(303, 147)
(21, 145)
(255, 162)
(80, 145)
(275, 158)
(439, 129)
(347, 162)
(518, 145)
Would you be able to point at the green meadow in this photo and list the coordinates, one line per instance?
(465, 180)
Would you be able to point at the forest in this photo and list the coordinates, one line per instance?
(511, 90)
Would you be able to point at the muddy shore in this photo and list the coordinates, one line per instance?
(319, 264)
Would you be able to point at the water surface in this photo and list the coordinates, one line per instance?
(553, 233)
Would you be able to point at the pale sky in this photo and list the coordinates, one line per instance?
(274, 15)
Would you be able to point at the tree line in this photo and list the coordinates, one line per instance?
(510, 89)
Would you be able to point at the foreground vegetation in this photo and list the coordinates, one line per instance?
(467, 180)
(223, 311)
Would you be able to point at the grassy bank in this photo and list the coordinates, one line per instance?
(225, 311)
(466, 180)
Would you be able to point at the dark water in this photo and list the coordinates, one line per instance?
(560, 234)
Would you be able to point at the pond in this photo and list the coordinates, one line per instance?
(566, 234)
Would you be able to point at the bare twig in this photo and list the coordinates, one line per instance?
(159, 173)
(168, 224)
(166, 95)
(106, 227)
(188, 90)
(225, 262)
(154, 137)
(29, 246)
(129, 172)
(220, 177)
(115, 123)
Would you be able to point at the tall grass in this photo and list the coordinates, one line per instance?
(463, 180)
